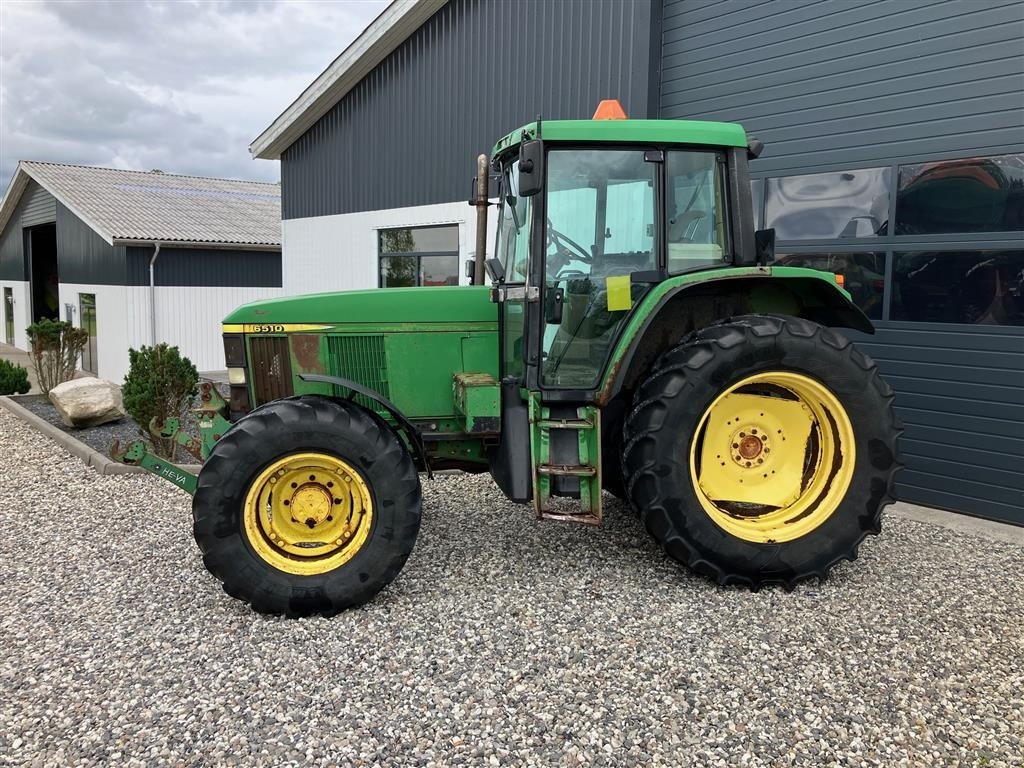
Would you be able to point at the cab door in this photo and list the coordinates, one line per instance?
(599, 229)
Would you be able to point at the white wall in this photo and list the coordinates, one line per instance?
(187, 317)
(335, 253)
(22, 310)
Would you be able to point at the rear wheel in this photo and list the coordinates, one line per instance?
(307, 506)
(762, 450)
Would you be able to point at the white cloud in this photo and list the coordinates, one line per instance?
(180, 86)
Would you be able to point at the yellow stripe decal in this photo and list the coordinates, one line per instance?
(272, 327)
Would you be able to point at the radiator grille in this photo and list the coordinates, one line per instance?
(361, 359)
(271, 368)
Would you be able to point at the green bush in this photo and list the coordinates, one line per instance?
(161, 385)
(54, 347)
(13, 378)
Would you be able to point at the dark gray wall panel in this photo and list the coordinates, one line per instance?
(40, 205)
(12, 250)
(960, 393)
(836, 84)
(205, 267)
(83, 256)
(409, 133)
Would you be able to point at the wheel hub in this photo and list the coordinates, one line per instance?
(749, 446)
(308, 513)
(311, 504)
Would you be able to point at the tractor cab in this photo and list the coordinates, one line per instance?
(592, 216)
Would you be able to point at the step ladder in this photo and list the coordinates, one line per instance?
(565, 451)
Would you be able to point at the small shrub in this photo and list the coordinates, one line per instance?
(160, 384)
(54, 347)
(13, 379)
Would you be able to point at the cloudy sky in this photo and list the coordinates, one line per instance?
(180, 86)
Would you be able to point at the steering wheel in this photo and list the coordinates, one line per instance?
(567, 248)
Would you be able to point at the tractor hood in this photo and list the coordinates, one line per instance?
(427, 306)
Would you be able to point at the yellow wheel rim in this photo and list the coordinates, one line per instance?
(308, 513)
(773, 457)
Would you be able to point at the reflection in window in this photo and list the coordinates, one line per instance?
(973, 287)
(411, 256)
(976, 194)
(863, 273)
(757, 199)
(825, 206)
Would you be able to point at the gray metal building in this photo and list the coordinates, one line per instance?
(895, 154)
(134, 257)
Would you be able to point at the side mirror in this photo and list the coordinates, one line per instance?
(495, 270)
(531, 167)
(764, 245)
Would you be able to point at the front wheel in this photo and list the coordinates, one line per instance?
(307, 506)
(762, 450)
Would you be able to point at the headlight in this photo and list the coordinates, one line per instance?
(236, 375)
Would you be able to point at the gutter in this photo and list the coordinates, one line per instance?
(152, 293)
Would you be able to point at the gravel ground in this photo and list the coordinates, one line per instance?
(504, 642)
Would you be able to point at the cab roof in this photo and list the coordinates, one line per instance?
(653, 131)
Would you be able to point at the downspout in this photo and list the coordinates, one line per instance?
(152, 293)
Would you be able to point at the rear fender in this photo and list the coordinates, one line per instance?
(680, 305)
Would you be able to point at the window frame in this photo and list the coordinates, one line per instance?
(418, 255)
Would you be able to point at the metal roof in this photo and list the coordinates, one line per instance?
(385, 34)
(125, 207)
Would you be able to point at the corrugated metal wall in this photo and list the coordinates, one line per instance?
(827, 84)
(841, 86)
(83, 256)
(961, 396)
(40, 205)
(409, 133)
(205, 267)
(12, 249)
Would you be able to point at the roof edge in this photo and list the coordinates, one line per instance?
(207, 244)
(384, 34)
(12, 198)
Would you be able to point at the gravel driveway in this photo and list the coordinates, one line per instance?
(504, 642)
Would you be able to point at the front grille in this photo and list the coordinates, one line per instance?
(361, 359)
(271, 368)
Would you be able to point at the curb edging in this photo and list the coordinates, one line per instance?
(104, 465)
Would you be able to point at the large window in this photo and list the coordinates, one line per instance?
(412, 256)
(696, 224)
(975, 194)
(863, 275)
(970, 287)
(827, 206)
(600, 228)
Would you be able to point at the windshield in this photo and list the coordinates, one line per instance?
(513, 227)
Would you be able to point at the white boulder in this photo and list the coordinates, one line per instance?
(87, 402)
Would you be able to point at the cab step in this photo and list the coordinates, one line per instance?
(565, 451)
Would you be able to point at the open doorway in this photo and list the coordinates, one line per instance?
(42, 253)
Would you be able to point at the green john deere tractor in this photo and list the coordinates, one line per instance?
(635, 339)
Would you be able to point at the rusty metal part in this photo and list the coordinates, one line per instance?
(480, 203)
(306, 350)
